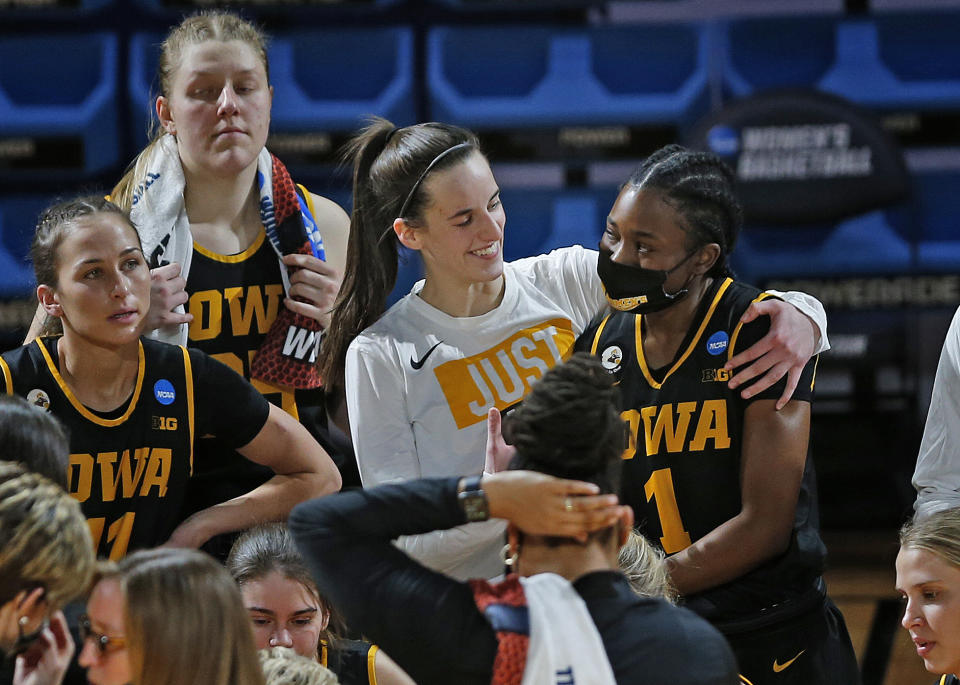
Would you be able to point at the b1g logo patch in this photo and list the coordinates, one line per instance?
(611, 358)
(718, 342)
(715, 376)
(39, 398)
(164, 423)
(164, 392)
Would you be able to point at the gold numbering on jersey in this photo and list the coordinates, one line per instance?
(502, 375)
(669, 425)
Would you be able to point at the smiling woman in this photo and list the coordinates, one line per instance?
(133, 407)
(471, 339)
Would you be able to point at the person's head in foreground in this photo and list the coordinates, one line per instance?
(645, 567)
(928, 578)
(282, 601)
(46, 555)
(283, 666)
(32, 436)
(568, 427)
(166, 617)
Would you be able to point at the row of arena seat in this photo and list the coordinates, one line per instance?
(918, 237)
(538, 76)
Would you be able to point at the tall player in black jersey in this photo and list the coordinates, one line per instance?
(134, 407)
(722, 483)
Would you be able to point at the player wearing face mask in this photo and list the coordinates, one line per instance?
(721, 483)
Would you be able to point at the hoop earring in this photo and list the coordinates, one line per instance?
(507, 558)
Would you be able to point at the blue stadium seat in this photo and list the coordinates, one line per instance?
(540, 220)
(887, 61)
(938, 202)
(330, 80)
(543, 75)
(58, 105)
(875, 243)
(51, 11)
(18, 218)
(324, 81)
(175, 10)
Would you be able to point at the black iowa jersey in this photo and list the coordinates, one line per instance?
(129, 470)
(949, 680)
(351, 660)
(682, 466)
(234, 300)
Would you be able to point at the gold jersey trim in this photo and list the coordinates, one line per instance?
(233, 258)
(372, 664)
(188, 379)
(596, 336)
(736, 330)
(86, 413)
(638, 332)
(7, 376)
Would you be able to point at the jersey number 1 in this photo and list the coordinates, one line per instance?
(118, 533)
(660, 487)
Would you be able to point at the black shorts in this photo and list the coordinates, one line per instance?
(811, 649)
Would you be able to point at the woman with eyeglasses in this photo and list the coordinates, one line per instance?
(46, 559)
(164, 616)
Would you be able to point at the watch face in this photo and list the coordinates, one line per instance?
(474, 505)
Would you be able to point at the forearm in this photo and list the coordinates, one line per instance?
(464, 552)
(345, 539)
(726, 553)
(271, 501)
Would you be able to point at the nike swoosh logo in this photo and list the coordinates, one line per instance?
(781, 667)
(418, 364)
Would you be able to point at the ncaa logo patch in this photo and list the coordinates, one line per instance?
(164, 392)
(611, 358)
(717, 343)
(38, 398)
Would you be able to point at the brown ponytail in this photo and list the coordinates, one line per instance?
(388, 169)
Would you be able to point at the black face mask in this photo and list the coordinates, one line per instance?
(635, 289)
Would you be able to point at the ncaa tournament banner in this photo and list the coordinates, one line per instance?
(802, 156)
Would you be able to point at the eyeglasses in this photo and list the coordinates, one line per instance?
(103, 643)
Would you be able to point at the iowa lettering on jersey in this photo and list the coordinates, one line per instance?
(252, 304)
(680, 427)
(144, 472)
(502, 375)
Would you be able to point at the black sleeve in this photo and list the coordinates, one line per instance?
(751, 333)
(428, 623)
(227, 405)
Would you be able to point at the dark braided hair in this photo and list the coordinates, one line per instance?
(700, 187)
(568, 425)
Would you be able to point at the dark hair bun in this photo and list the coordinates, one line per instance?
(568, 425)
